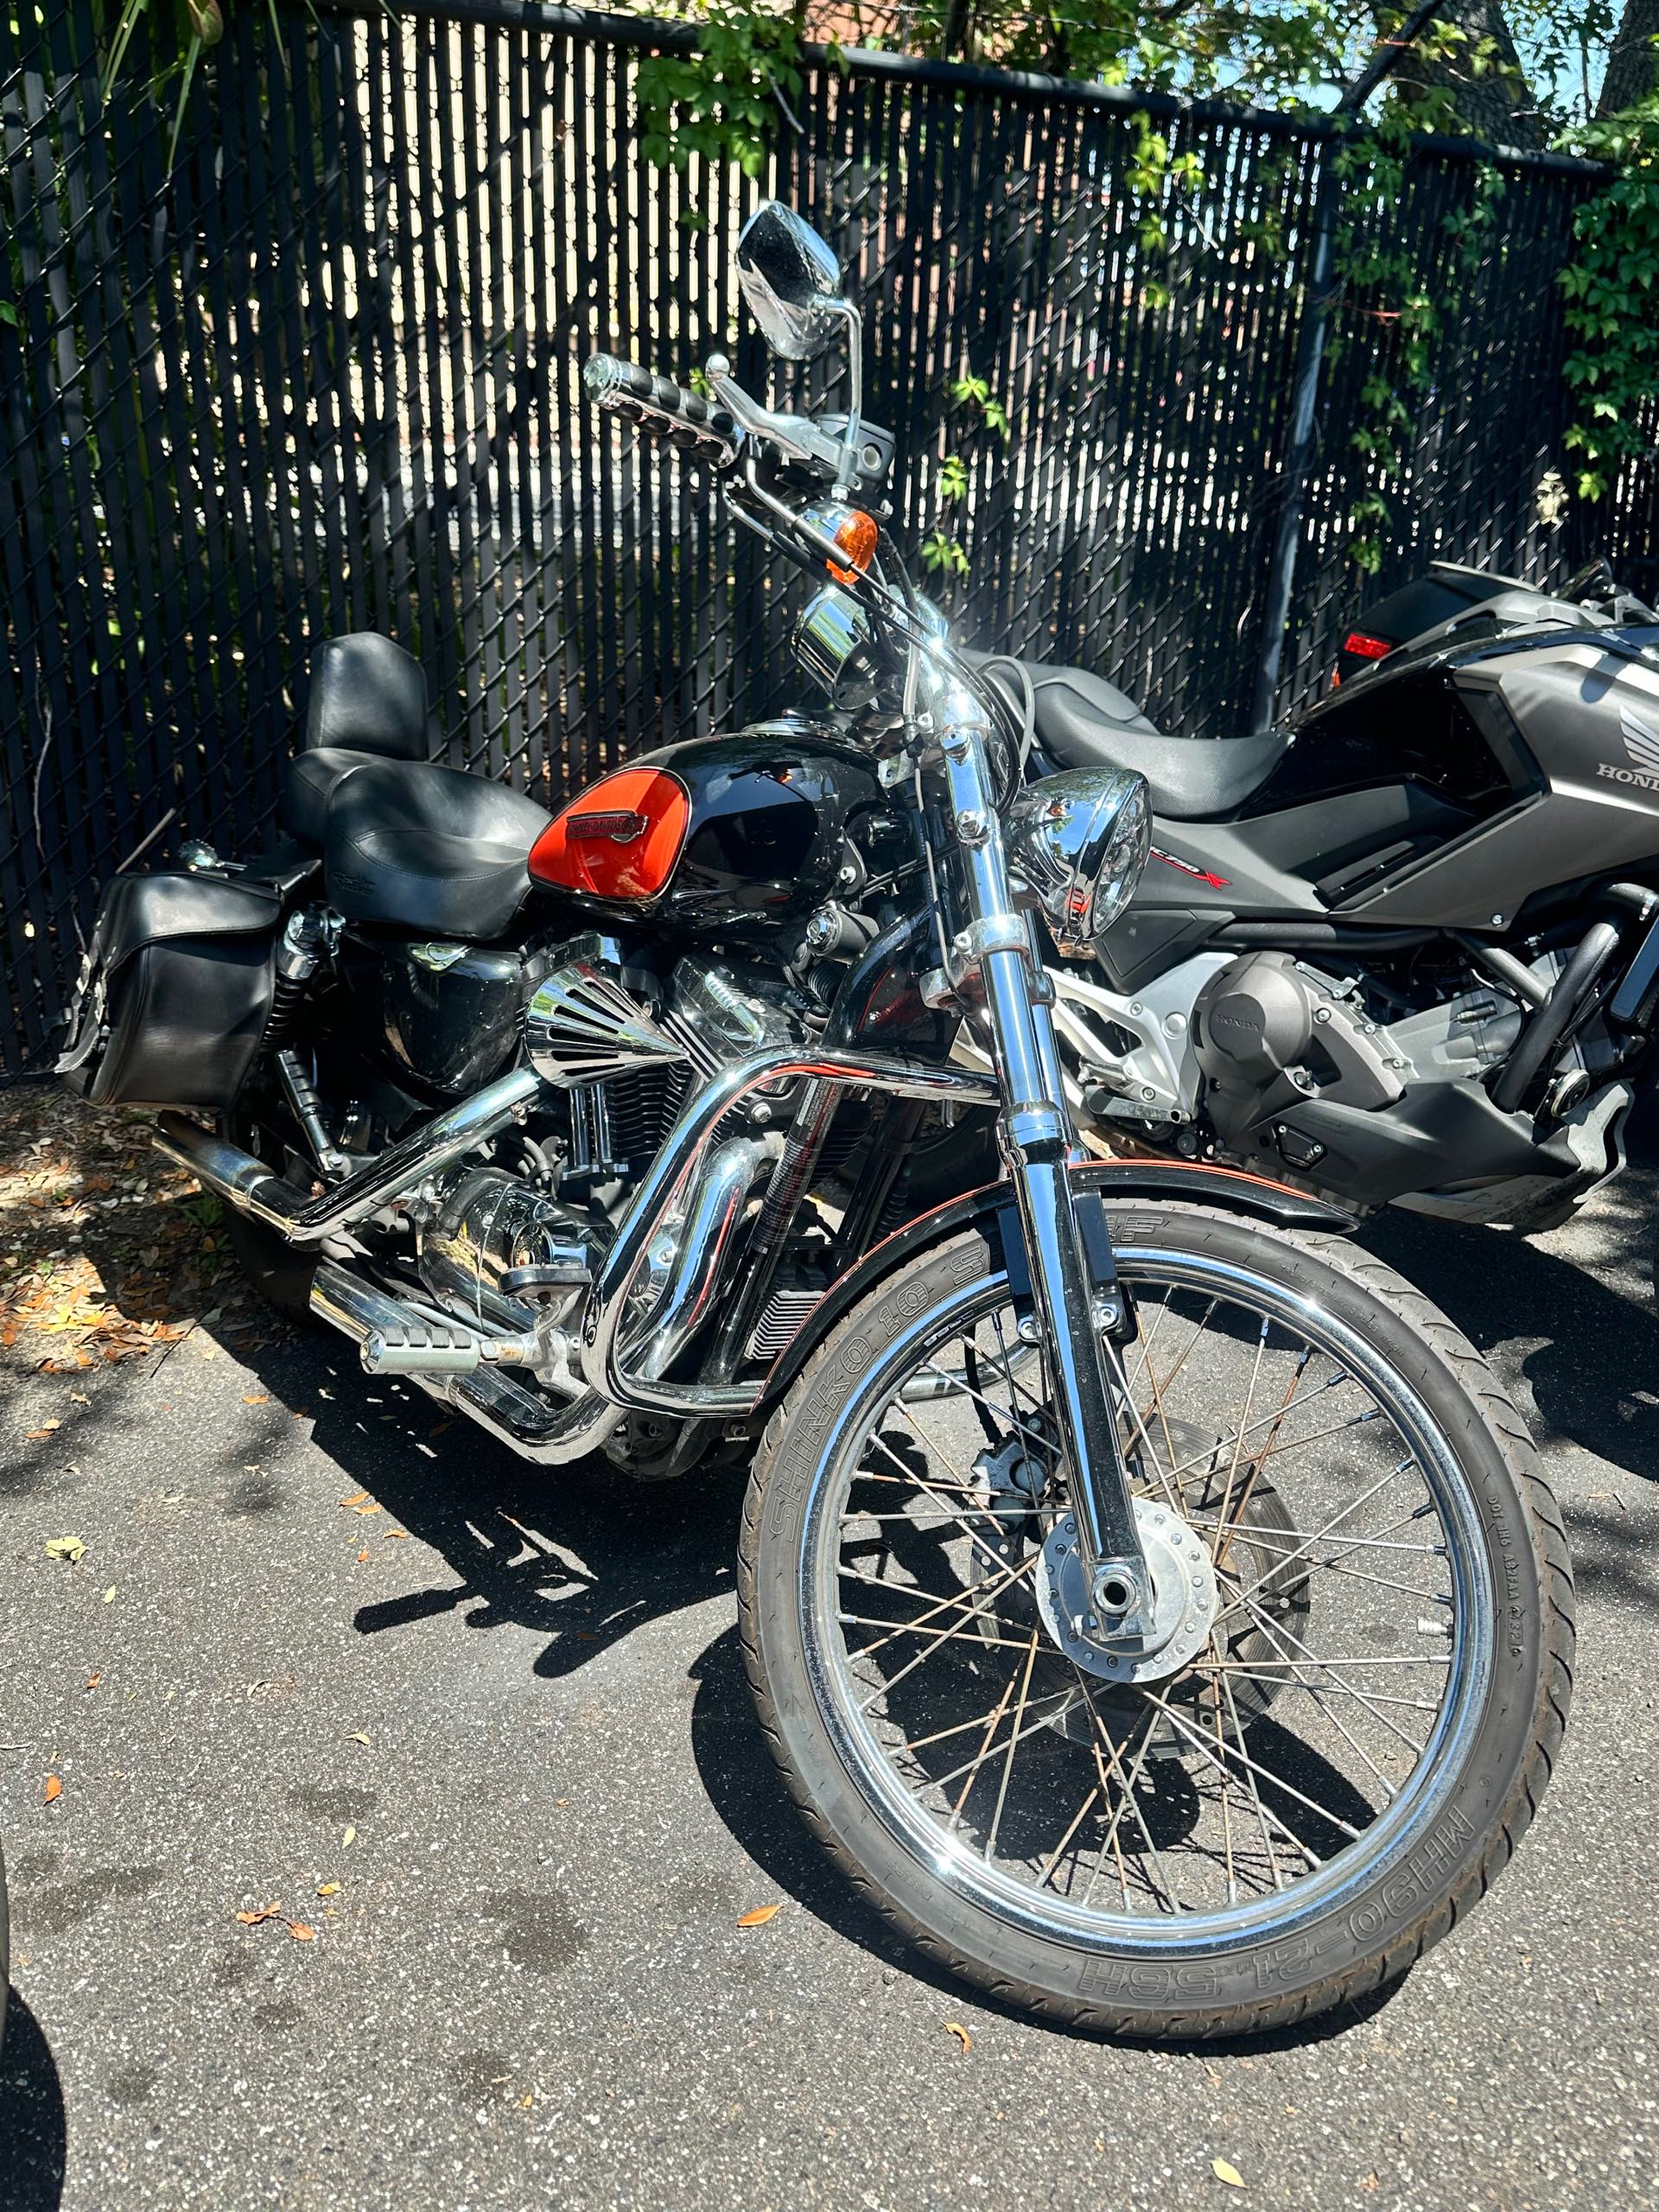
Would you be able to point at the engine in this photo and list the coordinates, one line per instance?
(637, 1040)
(1371, 1087)
(1270, 1030)
(510, 1248)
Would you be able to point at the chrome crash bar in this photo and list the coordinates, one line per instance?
(608, 1365)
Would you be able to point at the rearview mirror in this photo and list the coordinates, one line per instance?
(791, 281)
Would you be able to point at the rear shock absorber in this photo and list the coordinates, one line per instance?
(308, 939)
(307, 1108)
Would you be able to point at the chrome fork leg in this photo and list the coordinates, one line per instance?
(1037, 1139)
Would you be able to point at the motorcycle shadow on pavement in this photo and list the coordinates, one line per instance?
(581, 1554)
(1583, 1335)
(34, 2132)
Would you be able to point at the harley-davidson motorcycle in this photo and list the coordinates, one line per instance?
(1407, 949)
(1153, 1604)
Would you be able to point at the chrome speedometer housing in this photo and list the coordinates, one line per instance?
(1079, 841)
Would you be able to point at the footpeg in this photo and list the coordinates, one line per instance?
(414, 1345)
(393, 1339)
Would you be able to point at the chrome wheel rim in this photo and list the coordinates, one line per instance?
(1262, 1785)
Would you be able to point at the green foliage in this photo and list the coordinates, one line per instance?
(941, 551)
(1611, 290)
(973, 391)
(724, 101)
(1394, 308)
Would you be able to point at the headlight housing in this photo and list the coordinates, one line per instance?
(1080, 841)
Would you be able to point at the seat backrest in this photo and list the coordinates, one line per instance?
(370, 695)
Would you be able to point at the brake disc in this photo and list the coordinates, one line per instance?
(1047, 1594)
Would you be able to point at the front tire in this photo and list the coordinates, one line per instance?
(1267, 1831)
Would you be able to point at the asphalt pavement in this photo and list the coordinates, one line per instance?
(480, 1737)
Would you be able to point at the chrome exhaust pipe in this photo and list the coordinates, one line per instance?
(695, 1268)
(251, 1187)
(525, 1422)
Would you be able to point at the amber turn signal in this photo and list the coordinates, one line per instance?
(854, 532)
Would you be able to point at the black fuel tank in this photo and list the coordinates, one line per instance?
(771, 810)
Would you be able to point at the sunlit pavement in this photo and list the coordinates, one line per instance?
(483, 1733)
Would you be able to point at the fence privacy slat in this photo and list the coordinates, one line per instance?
(327, 374)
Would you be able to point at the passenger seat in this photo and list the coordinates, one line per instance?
(367, 703)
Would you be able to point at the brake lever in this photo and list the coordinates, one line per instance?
(792, 435)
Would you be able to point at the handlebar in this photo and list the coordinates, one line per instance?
(683, 419)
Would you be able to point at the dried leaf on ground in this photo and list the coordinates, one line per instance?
(265, 1912)
(259, 1398)
(103, 1260)
(52, 1791)
(1223, 2170)
(955, 2028)
(356, 1497)
(92, 1681)
(760, 1916)
(348, 1839)
(109, 1595)
(73, 1548)
(359, 1737)
(300, 1933)
(328, 1889)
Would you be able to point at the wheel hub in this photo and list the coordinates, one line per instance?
(1184, 1599)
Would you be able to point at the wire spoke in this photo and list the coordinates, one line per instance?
(1150, 1798)
(1274, 1629)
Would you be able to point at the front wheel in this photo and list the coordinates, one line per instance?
(1365, 1615)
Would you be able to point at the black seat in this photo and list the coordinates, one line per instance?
(428, 848)
(1083, 721)
(367, 703)
(308, 784)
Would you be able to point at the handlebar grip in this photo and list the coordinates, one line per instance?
(685, 418)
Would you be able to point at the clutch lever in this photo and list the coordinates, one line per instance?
(792, 435)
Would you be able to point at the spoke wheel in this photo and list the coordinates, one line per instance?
(1288, 1800)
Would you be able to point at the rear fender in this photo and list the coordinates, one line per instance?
(1183, 1183)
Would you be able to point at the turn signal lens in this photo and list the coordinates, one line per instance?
(856, 534)
(621, 839)
(1366, 647)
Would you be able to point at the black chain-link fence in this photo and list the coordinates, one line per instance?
(325, 376)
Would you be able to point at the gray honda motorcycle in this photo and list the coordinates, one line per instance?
(1405, 950)
(1152, 1602)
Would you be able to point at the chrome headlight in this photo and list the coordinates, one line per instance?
(1080, 841)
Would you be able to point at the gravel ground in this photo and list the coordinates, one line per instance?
(484, 1733)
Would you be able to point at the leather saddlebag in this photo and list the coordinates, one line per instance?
(174, 992)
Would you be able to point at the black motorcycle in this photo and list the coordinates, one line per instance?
(1407, 949)
(1152, 1605)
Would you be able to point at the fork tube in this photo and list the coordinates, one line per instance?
(1035, 1131)
(1036, 1140)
